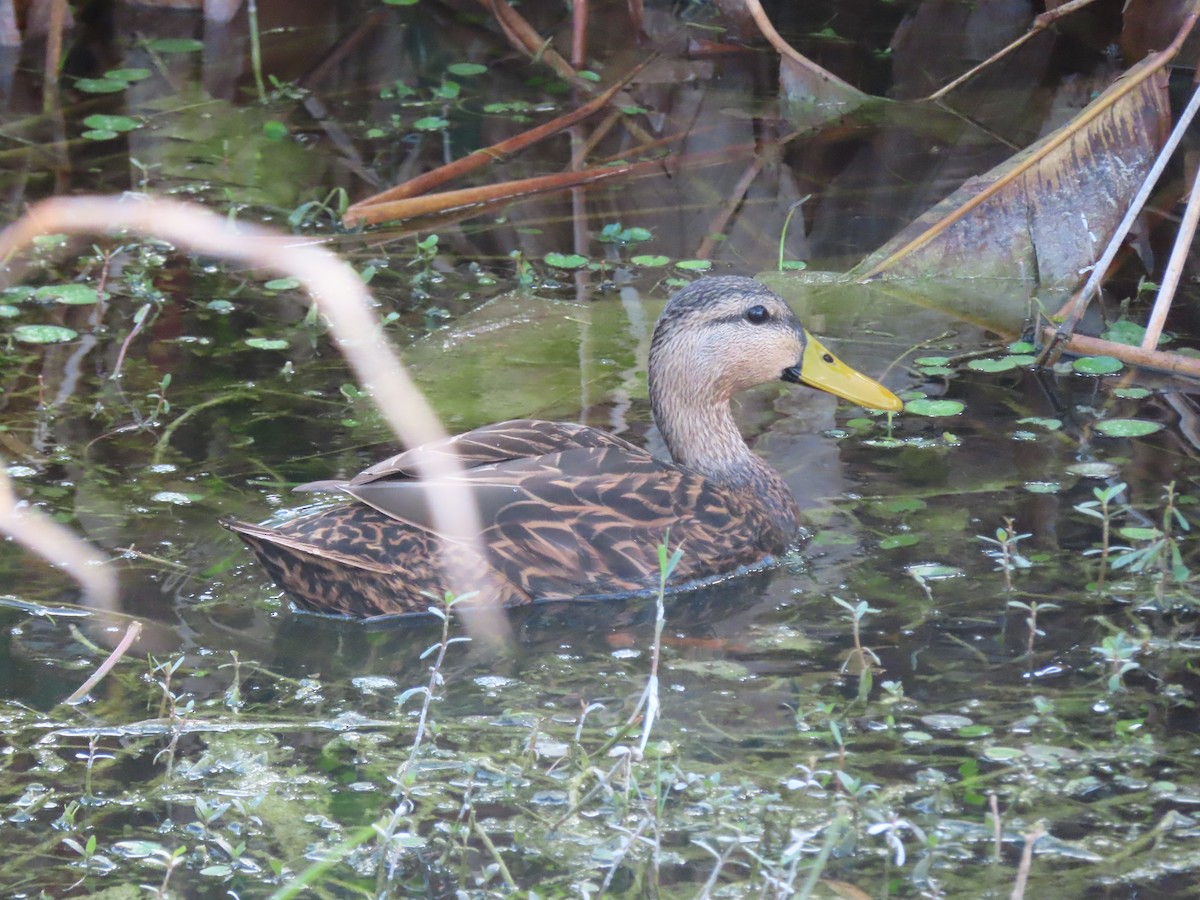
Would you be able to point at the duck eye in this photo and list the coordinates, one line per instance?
(756, 315)
(828, 357)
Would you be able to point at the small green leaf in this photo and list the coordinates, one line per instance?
(43, 334)
(111, 123)
(1097, 365)
(99, 85)
(7, 312)
(401, 2)
(282, 284)
(430, 123)
(974, 731)
(651, 262)
(694, 265)
(1127, 427)
(927, 407)
(1002, 754)
(1021, 347)
(70, 294)
(259, 343)
(932, 361)
(175, 45)
(466, 70)
(99, 134)
(1000, 364)
(565, 260)
(588, 75)
(127, 75)
(793, 265)
(274, 130)
(1138, 533)
(1048, 424)
(1043, 487)
(1133, 393)
(1124, 332)
(892, 541)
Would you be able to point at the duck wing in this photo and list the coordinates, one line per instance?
(587, 521)
(491, 444)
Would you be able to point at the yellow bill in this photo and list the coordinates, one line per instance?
(821, 369)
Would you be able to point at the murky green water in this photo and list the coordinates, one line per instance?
(255, 742)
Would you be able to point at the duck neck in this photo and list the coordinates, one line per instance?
(701, 434)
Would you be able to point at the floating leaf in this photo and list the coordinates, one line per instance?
(466, 70)
(565, 260)
(401, 2)
(220, 306)
(946, 721)
(282, 284)
(1093, 470)
(99, 85)
(902, 505)
(99, 134)
(71, 294)
(7, 312)
(175, 45)
(1001, 754)
(650, 261)
(927, 407)
(936, 370)
(111, 123)
(893, 541)
(1021, 347)
(1048, 424)
(793, 265)
(974, 731)
(1127, 427)
(274, 130)
(1097, 365)
(430, 123)
(932, 361)
(267, 343)
(1133, 393)
(43, 334)
(127, 75)
(1043, 487)
(1002, 364)
(694, 265)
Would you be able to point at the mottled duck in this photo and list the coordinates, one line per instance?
(570, 511)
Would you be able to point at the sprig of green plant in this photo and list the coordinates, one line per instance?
(1101, 508)
(1005, 551)
(861, 659)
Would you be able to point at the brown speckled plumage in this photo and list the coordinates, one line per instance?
(570, 511)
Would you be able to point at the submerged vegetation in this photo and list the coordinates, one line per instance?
(976, 678)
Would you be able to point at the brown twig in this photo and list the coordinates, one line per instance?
(1040, 23)
(579, 26)
(1170, 280)
(729, 206)
(523, 36)
(1031, 838)
(131, 635)
(424, 183)
(53, 62)
(1082, 345)
(432, 204)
